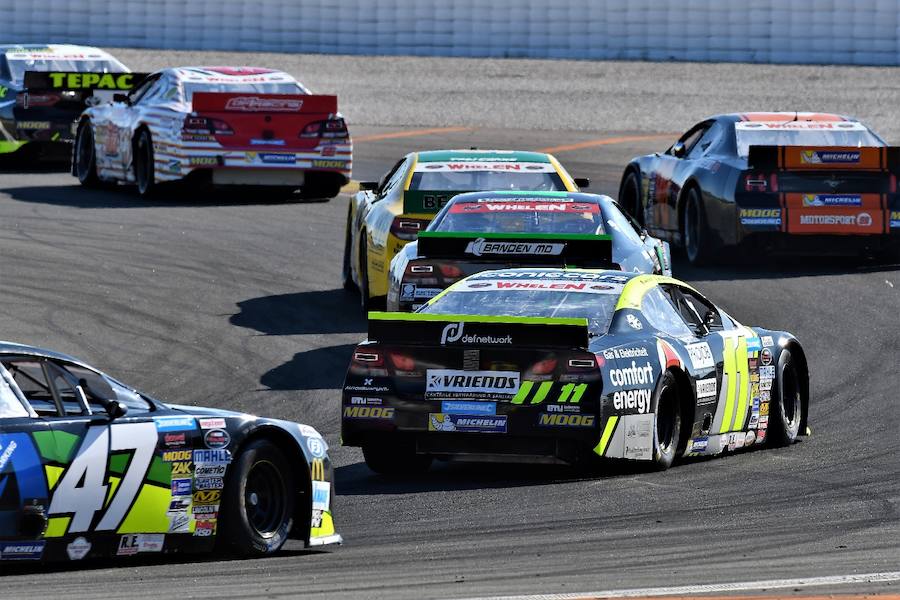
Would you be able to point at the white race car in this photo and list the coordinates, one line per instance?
(220, 126)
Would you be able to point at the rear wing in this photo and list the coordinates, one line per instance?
(473, 331)
(263, 103)
(827, 158)
(85, 86)
(542, 248)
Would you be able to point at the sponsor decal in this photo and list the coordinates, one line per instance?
(328, 164)
(216, 438)
(7, 453)
(207, 497)
(258, 142)
(367, 386)
(464, 384)
(523, 205)
(699, 445)
(638, 436)
(316, 447)
(761, 436)
(764, 409)
(99, 81)
(181, 487)
(408, 291)
(701, 356)
(706, 388)
(277, 159)
(818, 157)
(862, 219)
(181, 467)
(209, 483)
(749, 438)
(174, 423)
(736, 440)
(548, 419)
(216, 423)
(368, 412)
(563, 408)
(466, 423)
(177, 455)
(212, 456)
(454, 332)
(31, 550)
(625, 353)
(197, 137)
(33, 124)
(895, 219)
(767, 372)
(255, 103)
(78, 548)
(634, 322)
(174, 439)
(180, 504)
(760, 216)
(210, 510)
(140, 542)
(321, 491)
(832, 200)
(481, 247)
(445, 167)
(767, 340)
(316, 520)
(765, 355)
(633, 375)
(632, 400)
(317, 469)
(179, 522)
(308, 431)
(455, 407)
(754, 344)
(210, 470)
(205, 528)
(763, 421)
(365, 401)
(203, 161)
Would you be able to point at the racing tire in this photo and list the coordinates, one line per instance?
(631, 197)
(85, 157)
(144, 164)
(786, 406)
(695, 231)
(347, 268)
(668, 422)
(395, 458)
(258, 501)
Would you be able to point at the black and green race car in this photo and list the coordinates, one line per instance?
(92, 468)
(564, 365)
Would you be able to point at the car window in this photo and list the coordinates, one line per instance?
(528, 215)
(692, 136)
(619, 220)
(99, 389)
(65, 387)
(395, 179)
(152, 93)
(693, 309)
(661, 314)
(28, 375)
(10, 405)
(709, 138)
(712, 318)
(138, 93)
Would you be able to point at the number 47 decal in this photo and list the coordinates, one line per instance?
(83, 489)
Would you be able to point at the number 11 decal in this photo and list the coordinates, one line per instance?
(83, 489)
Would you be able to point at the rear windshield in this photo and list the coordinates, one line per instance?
(17, 67)
(281, 87)
(530, 297)
(516, 176)
(803, 133)
(526, 216)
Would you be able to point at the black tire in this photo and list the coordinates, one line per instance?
(631, 197)
(84, 159)
(786, 406)
(668, 422)
(695, 232)
(322, 192)
(258, 501)
(144, 165)
(346, 271)
(397, 458)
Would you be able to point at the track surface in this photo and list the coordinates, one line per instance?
(237, 304)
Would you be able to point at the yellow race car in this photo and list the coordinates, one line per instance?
(386, 215)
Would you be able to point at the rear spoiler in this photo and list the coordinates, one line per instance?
(473, 331)
(543, 248)
(101, 86)
(427, 202)
(263, 103)
(829, 158)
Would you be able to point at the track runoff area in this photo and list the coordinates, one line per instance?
(237, 303)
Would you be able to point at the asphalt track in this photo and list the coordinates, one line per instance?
(237, 303)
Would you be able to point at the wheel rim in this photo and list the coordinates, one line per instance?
(692, 228)
(84, 153)
(143, 165)
(666, 415)
(264, 498)
(790, 397)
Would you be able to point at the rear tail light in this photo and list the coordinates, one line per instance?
(206, 125)
(335, 129)
(893, 184)
(773, 182)
(369, 359)
(30, 100)
(451, 271)
(407, 229)
(402, 362)
(544, 367)
(756, 182)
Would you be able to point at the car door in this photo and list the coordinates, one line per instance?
(726, 351)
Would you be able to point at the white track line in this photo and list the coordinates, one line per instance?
(772, 584)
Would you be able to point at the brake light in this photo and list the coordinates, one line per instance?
(756, 182)
(893, 184)
(331, 129)
(544, 367)
(402, 362)
(369, 359)
(773, 182)
(451, 271)
(206, 125)
(29, 100)
(407, 229)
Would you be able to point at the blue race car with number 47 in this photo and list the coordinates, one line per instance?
(564, 365)
(92, 468)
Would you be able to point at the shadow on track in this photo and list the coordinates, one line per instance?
(76, 196)
(325, 311)
(311, 370)
(779, 267)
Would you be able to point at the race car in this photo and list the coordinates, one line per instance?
(92, 468)
(43, 89)
(480, 231)
(569, 366)
(786, 182)
(224, 126)
(386, 215)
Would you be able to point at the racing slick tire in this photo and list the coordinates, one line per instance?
(786, 407)
(258, 501)
(668, 422)
(698, 244)
(346, 270)
(395, 458)
(631, 197)
(85, 158)
(144, 165)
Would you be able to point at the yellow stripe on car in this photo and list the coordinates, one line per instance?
(600, 449)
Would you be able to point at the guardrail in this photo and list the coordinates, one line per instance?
(778, 31)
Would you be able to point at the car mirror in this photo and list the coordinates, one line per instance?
(123, 98)
(116, 409)
(678, 150)
(368, 186)
(582, 182)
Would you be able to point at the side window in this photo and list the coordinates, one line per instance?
(710, 137)
(696, 311)
(29, 375)
(98, 390)
(138, 93)
(65, 387)
(658, 310)
(10, 406)
(395, 179)
(693, 136)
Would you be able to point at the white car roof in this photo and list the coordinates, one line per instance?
(54, 51)
(231, 75)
